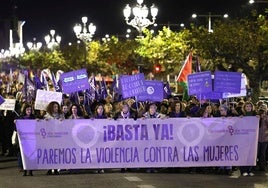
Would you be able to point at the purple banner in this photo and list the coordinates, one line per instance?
(74, 81)
(154, 91)
(125, 143)
(227, 82)
(132, 85)
(200, 82)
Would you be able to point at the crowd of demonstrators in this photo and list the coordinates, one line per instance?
(110, 108)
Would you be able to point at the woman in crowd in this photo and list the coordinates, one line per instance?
(125, 113)
(152, 113)
(7, 129)
(99, 113)
(177, 110)
(206, 111)
(53, 111)
(247, 110)
(263, 140)
(223, 112)
(65, 111)
(76, 112)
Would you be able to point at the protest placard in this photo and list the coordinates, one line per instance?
(74, 81)
(43, 98)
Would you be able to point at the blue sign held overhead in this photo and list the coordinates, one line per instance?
(74, 81)
(154, 91)
(227, 82)
(200, 82)
(132, 85)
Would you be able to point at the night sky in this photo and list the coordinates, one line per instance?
(107, 15)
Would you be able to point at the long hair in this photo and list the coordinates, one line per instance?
(79, 110)
(24, 107)
(50, 107)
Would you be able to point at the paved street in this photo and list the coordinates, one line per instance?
(10, 177)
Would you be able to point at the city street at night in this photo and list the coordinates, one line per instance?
(10, 177)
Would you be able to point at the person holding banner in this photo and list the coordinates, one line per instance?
(76, 112)
(53, 111)
(152, 113)
(177, 110)
(247, 110)
(99, 113)
(125, 112)
(65, 111)
(224, 112)
(263, 140)
(26, 113)
(206, 111)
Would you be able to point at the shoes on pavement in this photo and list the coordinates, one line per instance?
(49, 172)
(56, 172)
(151, 170)
(245, 174)
(123, 170)
(251, 174)
(101, 171)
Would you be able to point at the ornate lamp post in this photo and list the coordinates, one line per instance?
(209, 16)
(35, 46)
(52, 41)
(140, 13)
(4, 54)
(252, 1)
(84, 32)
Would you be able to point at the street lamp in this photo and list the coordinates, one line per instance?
(252, 1)
(140, 13)
(83, 32)
(52, 41)
(209, 16)
(35, 46)
(106, 38)
(4, 54)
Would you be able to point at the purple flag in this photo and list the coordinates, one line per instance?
(167, 90)
(25, 90)
(92, 88)
(103, 88)
(2, 100)
(55, 83)
(37, 82)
